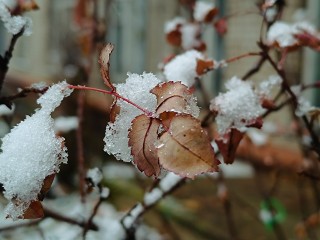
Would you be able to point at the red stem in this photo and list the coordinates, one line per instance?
(115, 94)
(243, 56)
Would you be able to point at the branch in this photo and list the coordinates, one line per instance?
(167, 185)
(59, 217)
(4, 61)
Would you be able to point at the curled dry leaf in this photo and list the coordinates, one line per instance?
(184, 148)
(210, 15)
(228, 145)
(142, 138)
(203, 66)
(309, 40)
(171, 96)
(46, 186)
(114, 111)
(34, 211)
(104, 61)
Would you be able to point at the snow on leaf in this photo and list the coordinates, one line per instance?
(34, 211)
(104, 61)
(171, 96)
(203, 66)
(185, 148)
(229, 144)
(142, 138)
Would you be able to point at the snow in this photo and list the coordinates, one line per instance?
(105, 192)
(266, 87)
(107, 219)
(283, 33)
(95, 175)
(39, 153)
(152, 197)
(189, 33)
(183, 68)
(137, 89)
(14, 24)
(173, 24)
(201, 9)
(236, 108)
(65, 124)
(304, 106)
(169, 181)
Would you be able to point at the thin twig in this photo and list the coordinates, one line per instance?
(4, 61)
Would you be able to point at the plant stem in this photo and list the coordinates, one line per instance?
(115, 94)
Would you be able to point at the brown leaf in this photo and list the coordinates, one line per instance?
(25, 6)
(210, 15)
(47, 182)
(35, 210)
(142, 139)
(174, 38)
(171, 96)
(229, 144)
(104, 61)
(203, 66)
(114, 111)
(309, 40)
(185, 148)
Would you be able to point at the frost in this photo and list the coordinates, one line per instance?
(173, 24)
(183, 68)
(152, 197)
(14, 24)
(95, 175)
(283, 34)
(137, 89)
(236, 108)
(201, 9)
(65, 124)
(39, 153)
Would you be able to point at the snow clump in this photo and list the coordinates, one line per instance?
(31, 152)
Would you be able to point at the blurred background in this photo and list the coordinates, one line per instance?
(197, 210)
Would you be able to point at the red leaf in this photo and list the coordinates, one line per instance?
(210, 15)
(185, 148)
(306, 39)
(174, 38)
(221, 26)
(35, 210)
(229, 144)
(104, 61)
(142, 138)
(203, 66)
(171, 96)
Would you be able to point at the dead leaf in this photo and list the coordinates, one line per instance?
(185, 148)
(34, 211)
(203, 66)
(210, 15)
(114, 111)
(171, 96)
(104, 61)
(228, 145)
(47, 182)
(174, 38)
(142, 139)
(309, 40)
